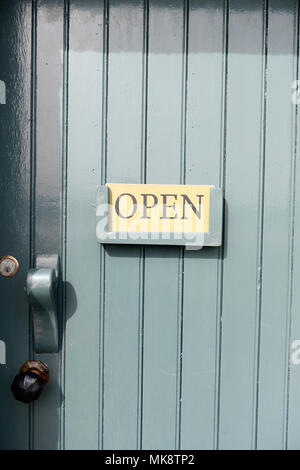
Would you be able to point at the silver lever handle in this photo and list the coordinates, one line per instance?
(41, 290)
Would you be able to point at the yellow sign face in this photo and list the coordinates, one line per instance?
(159, 208)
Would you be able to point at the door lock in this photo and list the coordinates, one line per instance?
(9, 266)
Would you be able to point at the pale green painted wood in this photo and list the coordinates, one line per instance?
(121, 348)
(122, 383)
(162, 266)
(240, 271)
(160, 347)
(293, 425)
(276, 275)
(122, 264)
(48, 194)
(81, 393)
(15, 71)
(200, 314)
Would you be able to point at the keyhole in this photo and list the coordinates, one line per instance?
(8, 266)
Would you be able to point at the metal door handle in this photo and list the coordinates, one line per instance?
(41, 290)
(30, 381)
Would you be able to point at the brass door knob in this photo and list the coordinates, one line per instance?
(27, 386)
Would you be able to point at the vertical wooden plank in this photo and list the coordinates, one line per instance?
(294, 355)
(203, 156)
(293, 410)
(82, 256)
(48, 203)
(240, 269)
(161, 301)
(15, 113)
(121, 330)
(275, 279)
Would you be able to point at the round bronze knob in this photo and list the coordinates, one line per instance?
(27, 386)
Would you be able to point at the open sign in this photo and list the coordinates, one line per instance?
(155, 213)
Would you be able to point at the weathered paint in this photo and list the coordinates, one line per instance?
(161, 348)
